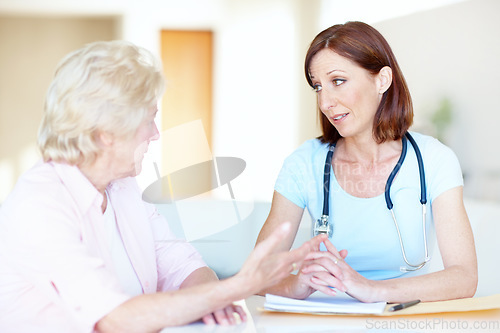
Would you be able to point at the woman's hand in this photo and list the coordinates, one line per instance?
(324, 270)
(266, 267)
(226, 316)
(321, 270)
(300, 285)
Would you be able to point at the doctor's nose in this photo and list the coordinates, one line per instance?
(326, 100)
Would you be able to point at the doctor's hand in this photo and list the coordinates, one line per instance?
(266, 266)
(299, 285)
(321, 270)
(327, 270)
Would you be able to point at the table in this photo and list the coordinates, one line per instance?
(267, 322)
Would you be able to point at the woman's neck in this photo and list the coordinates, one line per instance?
(366, 150)
(99, 173)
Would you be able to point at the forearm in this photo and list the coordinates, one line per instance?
(264, 267)
(152, 312)
(456, 244)
(451, 283)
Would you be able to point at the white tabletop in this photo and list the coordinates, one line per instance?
(268, 322)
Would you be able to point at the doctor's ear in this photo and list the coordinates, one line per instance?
(385, 79)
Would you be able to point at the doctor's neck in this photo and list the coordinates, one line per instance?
(366, 150)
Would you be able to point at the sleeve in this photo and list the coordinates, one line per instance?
(291, 179)
(54, 264)
(444, 169)
(176, 259)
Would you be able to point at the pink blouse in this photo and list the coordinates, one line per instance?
(56, 273)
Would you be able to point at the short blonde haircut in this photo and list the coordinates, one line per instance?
(102, 87)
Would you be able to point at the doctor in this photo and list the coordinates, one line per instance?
(79, 249)
(378, 230)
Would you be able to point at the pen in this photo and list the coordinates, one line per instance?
(404, 305)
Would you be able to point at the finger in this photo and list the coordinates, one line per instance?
(323, 254)
(316, 283)
(229, 310)
(343, 254)
(326, 254)
(316, 241)
(298, 255)
(221, 317)
(241, 312)
(326, 289)
(322, 264)
(331, 248)
(209, 319)
(328, 280)
(266, 246)
(306, 263)
(313, 268)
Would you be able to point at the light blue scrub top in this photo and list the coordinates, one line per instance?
(364, 226)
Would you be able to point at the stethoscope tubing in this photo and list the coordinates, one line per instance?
(324, 226)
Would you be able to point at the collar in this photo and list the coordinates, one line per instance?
(80, 188)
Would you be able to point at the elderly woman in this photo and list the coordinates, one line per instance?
(381, 194)
(79, 249)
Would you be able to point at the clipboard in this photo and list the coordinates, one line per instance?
(458, 305)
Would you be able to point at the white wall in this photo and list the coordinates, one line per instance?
(453, 52)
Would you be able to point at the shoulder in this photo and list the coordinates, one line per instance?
(42, 172)
(311, 146)
(41, 178)
(39, 198)
(442, 168)
(431, 147)
(308, 151)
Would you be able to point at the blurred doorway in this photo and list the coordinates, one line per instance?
(187, 65)
(187, 111)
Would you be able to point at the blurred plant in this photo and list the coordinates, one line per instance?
(442, 118)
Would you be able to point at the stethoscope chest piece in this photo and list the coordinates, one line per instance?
(321, 226)
(324, 226)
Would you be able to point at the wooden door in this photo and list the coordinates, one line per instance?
(187, 110)
(187, 63)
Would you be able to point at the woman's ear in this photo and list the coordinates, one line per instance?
(104, 139)
(385, 79)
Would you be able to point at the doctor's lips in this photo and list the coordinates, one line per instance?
(338, 117)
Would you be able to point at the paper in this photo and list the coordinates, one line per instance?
(319, 303)
(322, 303)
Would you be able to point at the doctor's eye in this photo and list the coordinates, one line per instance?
(317, 88)
(338, 82)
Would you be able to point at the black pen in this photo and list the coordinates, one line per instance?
(404, 305)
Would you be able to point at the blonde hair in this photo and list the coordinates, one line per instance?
(102, 87)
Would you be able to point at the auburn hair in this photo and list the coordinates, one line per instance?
(365, 46)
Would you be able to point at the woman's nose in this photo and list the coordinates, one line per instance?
(156, 134)
(327, 99)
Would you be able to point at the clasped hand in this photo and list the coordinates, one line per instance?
(327, 270)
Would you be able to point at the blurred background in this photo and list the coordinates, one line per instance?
(236, 66)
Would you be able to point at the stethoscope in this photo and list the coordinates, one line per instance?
(323, 226)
